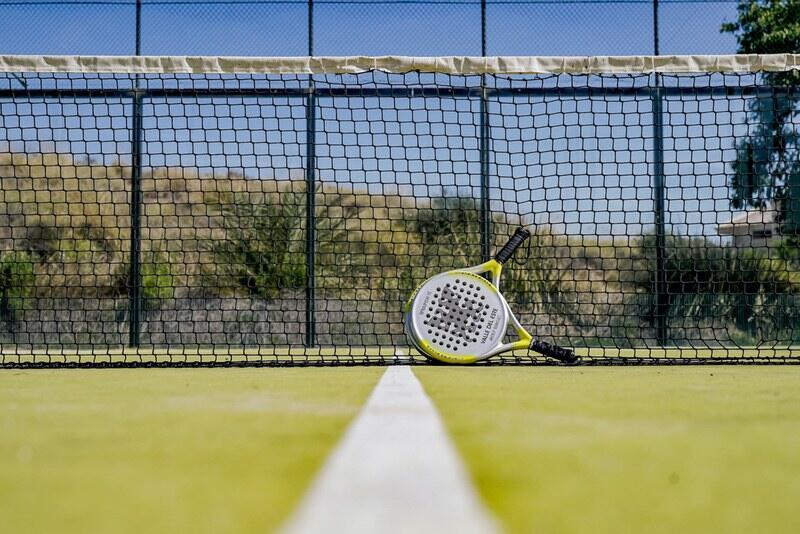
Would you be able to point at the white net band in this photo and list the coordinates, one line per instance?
(463, 65)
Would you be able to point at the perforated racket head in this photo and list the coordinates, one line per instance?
(457, 317)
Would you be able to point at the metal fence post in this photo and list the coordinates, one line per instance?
(138, 27)
(662, 299)
(311, 190)
(485, 213)
(135, 282)
(135, 294)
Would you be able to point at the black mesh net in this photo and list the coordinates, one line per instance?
(276, 219)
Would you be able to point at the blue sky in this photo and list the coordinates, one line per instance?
(603, 186)
(246, 27)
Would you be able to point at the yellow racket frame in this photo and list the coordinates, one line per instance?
(495, 268)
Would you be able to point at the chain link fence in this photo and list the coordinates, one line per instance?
(145, 211)
(365, 27)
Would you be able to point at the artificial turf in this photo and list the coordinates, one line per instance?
(672, 449)
(167, 450)
(656, 449)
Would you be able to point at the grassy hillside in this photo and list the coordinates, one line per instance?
(223, 261)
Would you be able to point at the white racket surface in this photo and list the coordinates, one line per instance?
(461, 317)
(458, 313)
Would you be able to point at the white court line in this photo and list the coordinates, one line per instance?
(395, 471)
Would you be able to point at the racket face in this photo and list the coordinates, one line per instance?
(457, 317)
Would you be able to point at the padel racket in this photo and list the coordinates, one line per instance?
(460, 317)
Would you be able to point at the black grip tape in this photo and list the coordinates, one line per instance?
(559, 353)
(505, 253)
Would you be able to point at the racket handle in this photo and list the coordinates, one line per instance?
(559, 353)
(505, 253)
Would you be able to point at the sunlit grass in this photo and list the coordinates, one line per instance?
(667, 449)
(225, 450)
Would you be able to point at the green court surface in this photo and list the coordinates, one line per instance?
(576, 449)
(167, 450)
(667, 449)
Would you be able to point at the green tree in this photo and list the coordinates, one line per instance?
(262, 252)
(450, 231)
(757, 292)
(767, 170)
(157, 279)
(16, 282)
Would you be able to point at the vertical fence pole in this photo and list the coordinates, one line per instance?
(311, 189)
(662, 307)
(135, 282)
(138, 27)
(485, 213)
(135, 294)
